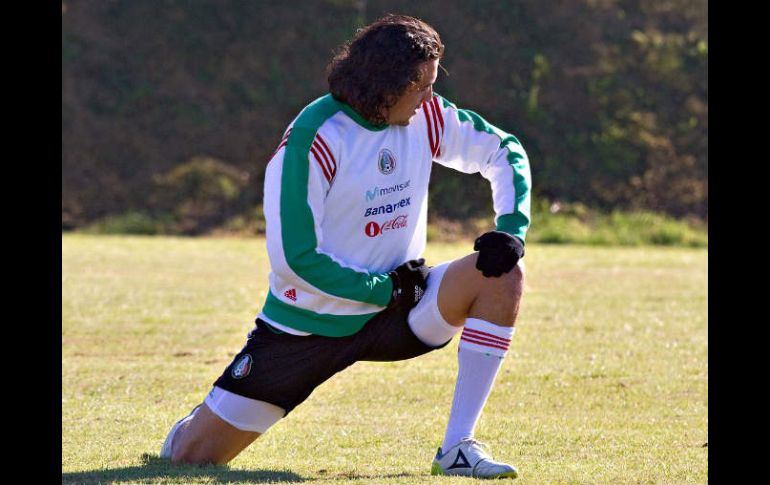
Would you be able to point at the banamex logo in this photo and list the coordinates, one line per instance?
(387, 208)
(373, 229)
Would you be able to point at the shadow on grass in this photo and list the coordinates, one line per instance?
(154, 469)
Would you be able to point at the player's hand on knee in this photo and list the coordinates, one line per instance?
(498, 252)
(409, 283)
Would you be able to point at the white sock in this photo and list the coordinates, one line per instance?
(483, 346)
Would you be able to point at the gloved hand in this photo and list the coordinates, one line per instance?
(498, 252)
(409, 283)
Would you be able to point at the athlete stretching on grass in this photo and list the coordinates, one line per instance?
(346, 209)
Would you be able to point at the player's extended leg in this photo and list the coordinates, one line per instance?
(207, 438)
(204, 437)
(487, 308)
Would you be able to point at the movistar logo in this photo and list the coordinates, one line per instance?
(377, 191)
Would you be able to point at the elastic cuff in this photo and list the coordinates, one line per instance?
(242, 412)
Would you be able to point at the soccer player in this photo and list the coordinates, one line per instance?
(345, 202)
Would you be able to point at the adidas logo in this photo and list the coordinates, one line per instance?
(418, 293)
(291, 294)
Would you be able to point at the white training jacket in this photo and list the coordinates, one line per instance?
(346, 202)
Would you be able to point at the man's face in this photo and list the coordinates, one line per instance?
(407, 105)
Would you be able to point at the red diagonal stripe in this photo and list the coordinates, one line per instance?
(326, 159)
(284, 140)
(435, 125)
(330, 159)
(323, 167)
(430, 133)
(283, 144)
(485, 344)
(441, 120)
(438, 111)
(477, 333)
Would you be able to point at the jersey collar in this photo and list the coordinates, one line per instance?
(357, 117)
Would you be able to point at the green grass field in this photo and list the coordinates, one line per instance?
(606, 381)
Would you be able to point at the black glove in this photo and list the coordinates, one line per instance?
(409, 283)
(498, 252)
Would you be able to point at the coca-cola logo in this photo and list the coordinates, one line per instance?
(374, 229)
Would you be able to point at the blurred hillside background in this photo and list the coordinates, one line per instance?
(170, 110)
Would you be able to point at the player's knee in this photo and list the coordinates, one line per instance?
(509, 286)
(516, 283)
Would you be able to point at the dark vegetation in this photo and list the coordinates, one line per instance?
(171, 109)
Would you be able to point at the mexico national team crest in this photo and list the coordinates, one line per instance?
(242, 368)
(387, 162)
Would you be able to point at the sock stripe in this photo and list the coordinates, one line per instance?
(485, 340)
(480, 334)
(485, 344)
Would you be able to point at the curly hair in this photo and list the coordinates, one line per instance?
(374, 68)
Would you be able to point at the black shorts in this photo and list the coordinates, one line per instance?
(284, 369)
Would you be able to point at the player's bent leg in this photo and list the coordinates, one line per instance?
(457, 291)
(486, 310)
(223, 426)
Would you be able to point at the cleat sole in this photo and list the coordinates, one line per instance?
(506, 475)
(436, 469)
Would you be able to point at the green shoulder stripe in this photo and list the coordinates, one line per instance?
(517, 222)
(297, 224)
